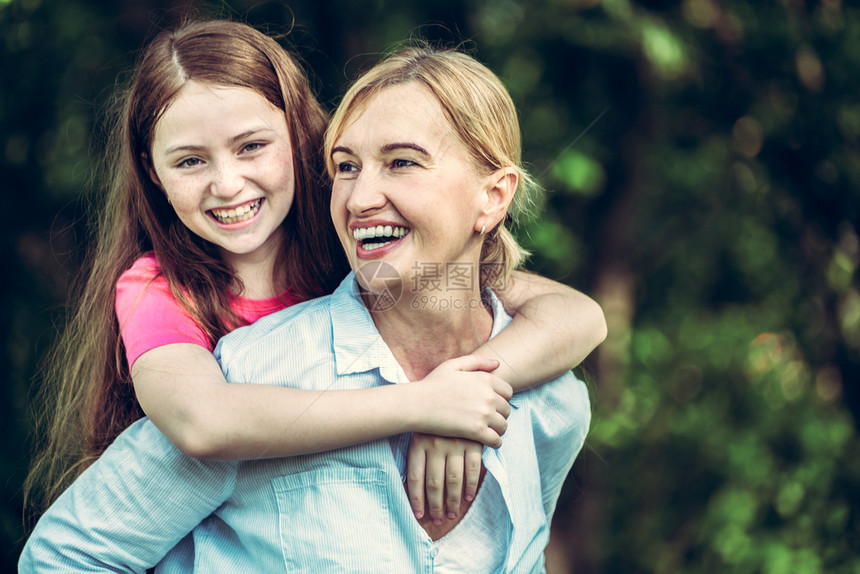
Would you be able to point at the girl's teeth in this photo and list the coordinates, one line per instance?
(237, 214)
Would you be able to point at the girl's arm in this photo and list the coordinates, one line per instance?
(554, 328)
(181, 388)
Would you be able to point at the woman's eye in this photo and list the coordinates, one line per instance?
(399, 163)
(346, 167)
(190, 162)
(252, 147)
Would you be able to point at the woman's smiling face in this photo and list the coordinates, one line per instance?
(405, 190)
(222, 156)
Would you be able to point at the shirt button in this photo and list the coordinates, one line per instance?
(434, 552)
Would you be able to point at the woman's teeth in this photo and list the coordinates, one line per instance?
(375, 237)
(237, 214)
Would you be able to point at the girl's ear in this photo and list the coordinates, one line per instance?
(497, 197)
(144, 158)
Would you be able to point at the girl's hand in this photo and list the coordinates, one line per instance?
(436, 469)
(462, 398)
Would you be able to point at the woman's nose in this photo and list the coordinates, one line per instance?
(365, 194)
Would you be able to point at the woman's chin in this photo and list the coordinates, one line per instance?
(381, 282)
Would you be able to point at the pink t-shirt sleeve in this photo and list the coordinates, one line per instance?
(149, 316)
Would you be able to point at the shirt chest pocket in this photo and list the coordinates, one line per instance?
(334, 520)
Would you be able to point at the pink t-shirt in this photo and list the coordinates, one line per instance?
(149, 316)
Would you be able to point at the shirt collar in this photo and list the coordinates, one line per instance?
(500, 318)
(359, 348)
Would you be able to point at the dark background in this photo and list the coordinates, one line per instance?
(702, 162)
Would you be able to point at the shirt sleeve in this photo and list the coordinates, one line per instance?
(129, 508)
(149, 316)
(560, 415)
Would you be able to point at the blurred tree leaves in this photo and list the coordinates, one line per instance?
(702, 162)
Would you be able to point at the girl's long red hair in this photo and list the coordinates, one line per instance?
(86, 397)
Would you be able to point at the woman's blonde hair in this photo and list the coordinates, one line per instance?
(480, 112)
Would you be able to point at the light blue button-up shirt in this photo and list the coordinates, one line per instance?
(145, 503)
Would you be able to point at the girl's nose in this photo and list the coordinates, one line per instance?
(228, 181)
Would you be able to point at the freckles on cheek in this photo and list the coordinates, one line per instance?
(176, 203)
(179, 196)
(182, 208)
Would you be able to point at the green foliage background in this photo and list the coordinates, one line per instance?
(702, 161)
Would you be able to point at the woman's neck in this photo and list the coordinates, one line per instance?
(423, 332)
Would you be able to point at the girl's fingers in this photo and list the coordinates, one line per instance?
(454, 483)
(498, 424)
(473, 471)
(415, 479)
(472, 363)
(489, 437)
(435, 486)
(503, 407)
(503, 388)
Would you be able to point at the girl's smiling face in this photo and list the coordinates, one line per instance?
(222, 156)
(405, 191)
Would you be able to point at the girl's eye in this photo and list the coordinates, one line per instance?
(346, 167)
(252, 147)
(399, 163)
(190, 162)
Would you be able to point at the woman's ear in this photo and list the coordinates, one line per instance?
(497, 197)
